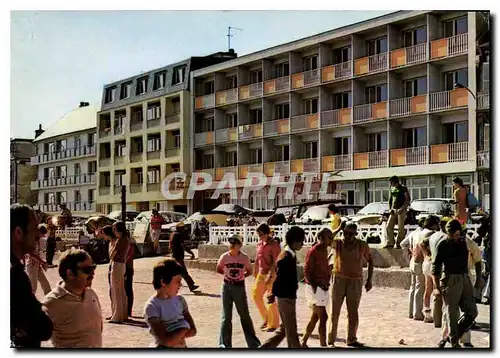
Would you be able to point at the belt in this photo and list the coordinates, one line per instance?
(235, 283)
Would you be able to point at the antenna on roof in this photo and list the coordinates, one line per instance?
(229, 35)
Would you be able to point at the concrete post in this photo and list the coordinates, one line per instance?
(245, 234)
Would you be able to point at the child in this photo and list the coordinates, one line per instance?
(285, 289)
(235, 266)
(166, 312)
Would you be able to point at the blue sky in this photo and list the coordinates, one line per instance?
(59, 58)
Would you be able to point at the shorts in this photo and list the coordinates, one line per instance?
(319, 299)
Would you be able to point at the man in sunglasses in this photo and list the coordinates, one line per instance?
(73, 306)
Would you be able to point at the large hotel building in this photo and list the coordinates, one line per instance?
(403, 94)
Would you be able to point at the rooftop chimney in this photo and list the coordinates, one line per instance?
(39, 131)
(84, 104)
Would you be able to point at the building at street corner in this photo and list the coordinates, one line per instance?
(403, 94)
(143, 135)
(21, 171)
(65, 158)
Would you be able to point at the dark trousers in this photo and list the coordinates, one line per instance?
(51, 250)
(288, 327)
(185, 275)
(236, 293)
(129, 291)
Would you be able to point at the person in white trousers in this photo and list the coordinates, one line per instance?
(35, 267)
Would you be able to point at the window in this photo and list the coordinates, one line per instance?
(125, 90)
(208, 87)
(282, 153)
(421, 187)
(154, 144)
(153, 175)
(92, 166)
(110, 95)
(456, 132)
(282, 111)
(91, 138)
(310, 63)
(458, 76)
(341, 55)
(207, 125)
(485, 77)
(377, 142)
(376, 94)
(77, 142)
(76, 169)
(448, 186)
(45, 147)
(178, 75)
(176, 167)
(142, 86)
(61, 145)
(91, 195)
(341, 146)
(415, 87)
(414, 137)
(61, 171)
(154, 112)
(137, 115)
(342, 100)
(311, 149)
(256, 156)
(208, 161)
(231, 82)
(119, 178)
(256, 76)
(177, 138)
(159, 80)
(377, 46)
(61, 197)
(232, 120)
(282, 69)
(311, 106)
(415, 36)
(256, 116)
(230, 159)
(120, 149)
(78, 196)
(455, 27)
(378, 191)
(51, 198)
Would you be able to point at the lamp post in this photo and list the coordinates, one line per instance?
(459, 85)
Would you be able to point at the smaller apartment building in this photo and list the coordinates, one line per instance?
(66, 163)
(403, 94)
(21, 172)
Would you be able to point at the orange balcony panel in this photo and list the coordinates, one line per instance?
(257, 130)
(419, 104)
(297, 80)
(244, 92)
(459, 97)
(328, 74)
(439, 153)
(345, 116)
(198, 103)
(283, 126)
(220, 98)
(269, 169)
(398, 157)
(398, 57)
(232, 134)
(219, 173)
(269, 86)
(380, 110)
(243, 171)
(439, 48)
(328, 164)
(297, 166)
(361, 66)
(210, 138)
(312, 121)
(360, 160)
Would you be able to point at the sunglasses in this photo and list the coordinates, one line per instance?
(87, 269)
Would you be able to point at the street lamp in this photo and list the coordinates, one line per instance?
(459, 85)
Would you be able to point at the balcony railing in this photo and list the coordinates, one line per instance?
(483, 159)
(153, 187)
(136, 157)
(77, 179)
(120, 130)
(173, 118)
(104, 132)
(84, 150)
(483, 100)
(440, 101)
(226, 135)
(206, 101)
(151, 123)
(336, 162)
(210, 171)
(243, 170)
(370, 64)
(453, 152)
(306, 79)
(337, 72)
(367, 112)
(172, 152)
(104, 190)
(226, 97)
(105, 162)
(203, 138)
(119, 159)
(277, 85)
(409, 55)
(409, 156)
(450, 46)
(249, 131)
(305, 122)
(336, 117)
(253, 90)
(136, 126)
(309, 165)
(136, 188)
(155, 154)
(281, 168)
(220, 172)
(406, 106)
(277, 127)
(370, 160)
(73, 206)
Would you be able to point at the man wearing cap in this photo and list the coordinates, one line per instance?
(177, 248)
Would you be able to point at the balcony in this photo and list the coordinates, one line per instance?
(281, 168)
(301, 166)
(483, 100)
(204, 102)
(226, 97)
(368, 112)
(409, 55)
(104, 190)
(104, 132)
(220, 172)
(153, 187)
(172, 153)
(483, 159)
(409, 156)
(371, 64)
(226, 135)
(453, 152)
(136, 157)
(305, 122)
(210, 171)
(105, 162)
(82, 206)
(306, 79)
(370, 160)
(119, 160)
(336, 117)
(336, 162)
(337, 72)
(450, 46)
(249, 131)
(82, 151)
(119, 130)
(151, 123)
(136, 188)
(155, 154)
(276, 127)
(277, 85)
(445, 100)
(136, 126)
(407, 106)
(243, 170)
(172, 118)
(204, 138)
(251, 91)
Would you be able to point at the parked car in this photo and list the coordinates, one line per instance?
(432, 206)
(117, 215)
(320, 214)
(294, 211)
(371, 214)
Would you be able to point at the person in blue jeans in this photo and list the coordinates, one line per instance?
(235, 266)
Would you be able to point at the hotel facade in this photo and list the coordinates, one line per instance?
(403, 94)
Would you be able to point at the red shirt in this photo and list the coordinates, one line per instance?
(156, 222)
(267, 254)
(316, 269)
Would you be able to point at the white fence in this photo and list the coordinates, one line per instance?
(71, 233)
(220, 234)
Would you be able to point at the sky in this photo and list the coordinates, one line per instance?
(60, 58)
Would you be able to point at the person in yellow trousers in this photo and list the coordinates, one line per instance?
(268, 250)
